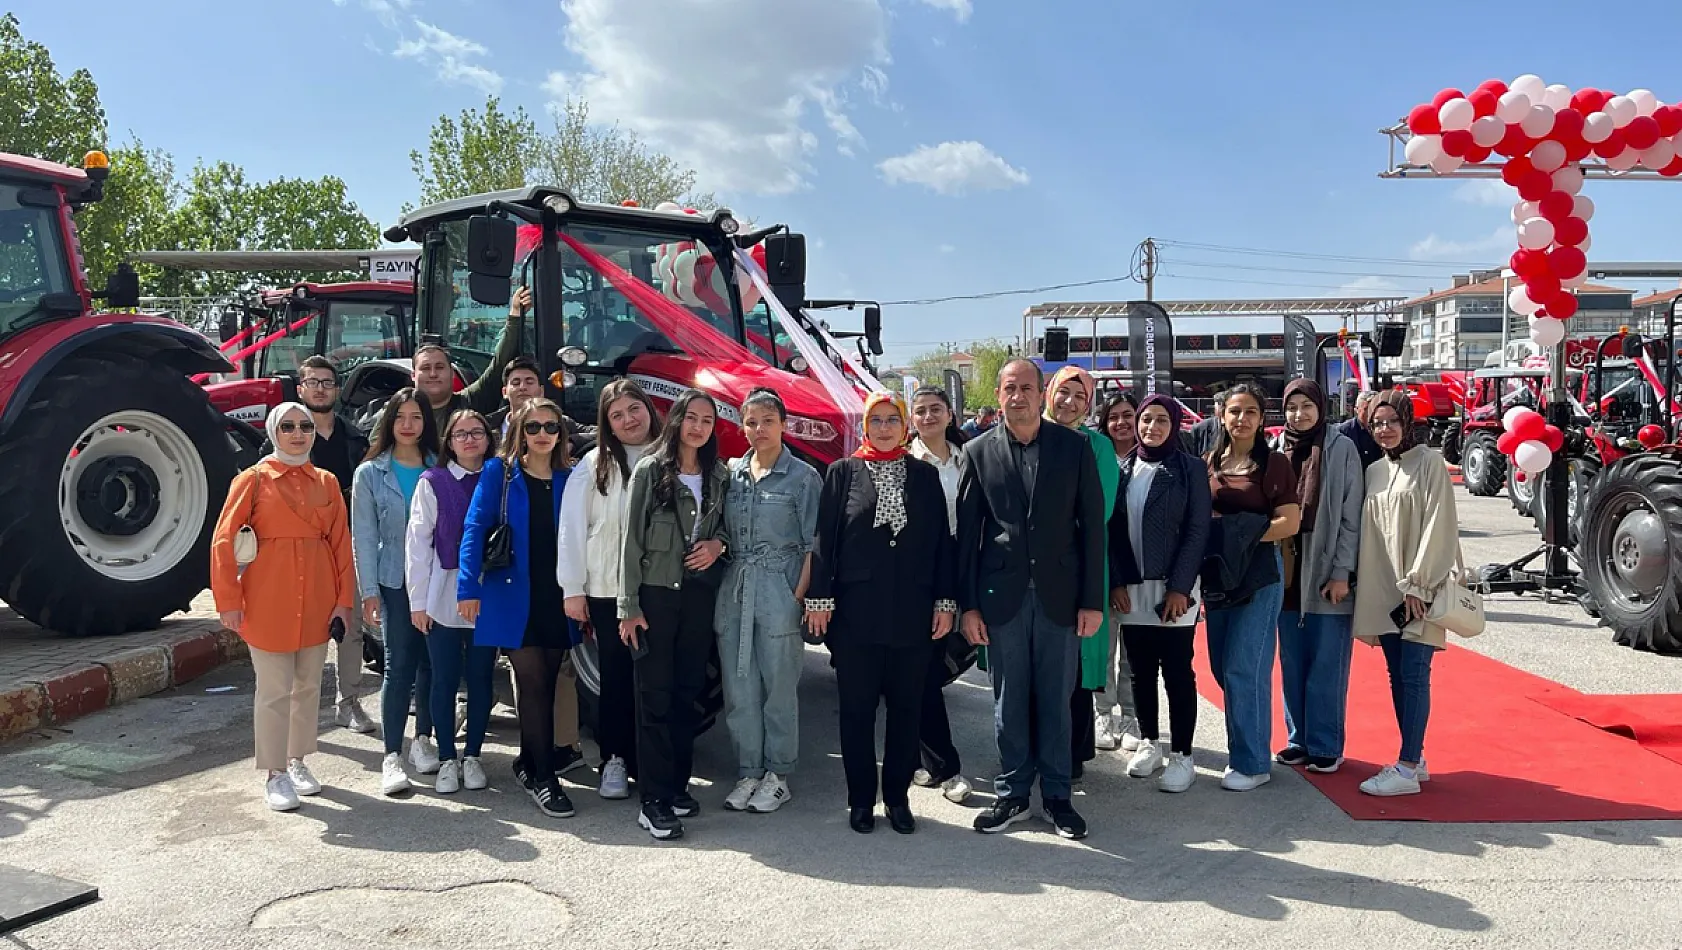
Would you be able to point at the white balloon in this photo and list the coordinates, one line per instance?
(1624, 160)
(1525, 209)
(1582, 207)
(1512, 107)
(684, 269)
(1444, 164)
(1423, 149)
(1597, 127)
(1509, 419)
(1531, 85)
(1661, 154)
(1533, 457)
(1546, 332)
(1568, 179)
(1621, 109)
(1518, 301)
(1585, 244)
(1488, 130)
(1535, 234)
(1645, 102)
(1547, 156)
(1539, 122)
(1572, 283)
(1557, 96)
(668, 206)
(1456, 115)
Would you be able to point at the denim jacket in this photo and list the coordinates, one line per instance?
(379, 518)
(770, 526)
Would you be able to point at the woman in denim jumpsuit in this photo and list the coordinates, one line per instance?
(770, 519)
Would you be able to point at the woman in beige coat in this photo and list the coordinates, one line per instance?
(1409, 546)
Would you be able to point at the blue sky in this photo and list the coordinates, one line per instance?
(926, 147)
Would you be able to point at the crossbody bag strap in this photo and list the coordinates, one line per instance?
(507, 480)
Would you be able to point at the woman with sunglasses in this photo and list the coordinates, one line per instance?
(519, 608)
(436, 519)
(405, 444)
(287, 602)
(674, 537)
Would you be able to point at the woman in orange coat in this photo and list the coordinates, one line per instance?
(291, 599)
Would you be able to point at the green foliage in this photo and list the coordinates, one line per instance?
(990, 357)
(137, 213)
(42, 113)
(478, 152)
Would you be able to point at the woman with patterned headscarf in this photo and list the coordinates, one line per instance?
(883, 593)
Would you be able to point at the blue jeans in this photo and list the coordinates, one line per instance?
(1314, 654)
(760, 655)
(1035, 664)
(453, 654)
(1410, 690)
(1241, 646)
(407, 671)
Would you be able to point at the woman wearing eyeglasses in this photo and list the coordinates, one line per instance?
(405, 444)
(285, 603)
(436, 519)
(520, 608)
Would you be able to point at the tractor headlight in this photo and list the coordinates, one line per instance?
(810, 430)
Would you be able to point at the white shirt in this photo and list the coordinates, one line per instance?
(1147, 594)
(430, 587)
(592, 531)
(693, 483)
(949, 474)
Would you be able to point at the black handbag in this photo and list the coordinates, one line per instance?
(712, 577)
(499, 543)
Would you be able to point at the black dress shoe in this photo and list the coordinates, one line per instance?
(900, 819)
(861, 820)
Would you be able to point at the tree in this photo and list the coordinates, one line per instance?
(990, 357)
(476, 153)
(930, 368)
(42, 113)
(137, 213)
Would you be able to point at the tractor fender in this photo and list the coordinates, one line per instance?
(30, 357)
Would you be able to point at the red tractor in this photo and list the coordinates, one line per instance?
(1490, 393)
(116, 464)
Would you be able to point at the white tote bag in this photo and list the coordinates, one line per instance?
(1458, 608)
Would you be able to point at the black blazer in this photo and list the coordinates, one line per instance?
(1057, 538)
(885, 586)
(1176, 529)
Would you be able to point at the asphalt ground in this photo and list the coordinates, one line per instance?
(156, 802)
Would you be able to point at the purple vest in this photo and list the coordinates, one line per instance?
(454, 498)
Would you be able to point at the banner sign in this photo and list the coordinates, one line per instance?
(393, 267)
(1150, 348)
(1301, 346)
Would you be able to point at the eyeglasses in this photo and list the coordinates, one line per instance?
(468, 435)
(1377, 424)
(287, 428)
(887, 422)
(533, 428)
(318, 384)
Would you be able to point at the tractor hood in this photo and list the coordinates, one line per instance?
(815, 424)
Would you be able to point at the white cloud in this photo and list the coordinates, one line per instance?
(386, 10)
(960, 8)
(729, 87)
(1486, 191)
(1367, 285)
(1435, 247)
(953, 168)
(450, 55)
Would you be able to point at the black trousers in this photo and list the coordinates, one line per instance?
(669, 678)
(616, 709)
(866, 676)
(1168, 650)
(1082, 727)
(940, 756)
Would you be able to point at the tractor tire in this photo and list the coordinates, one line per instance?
(1483, 469)
(107, 528)
(1582, 472)
(1632, 550)
(1522, 494)
(588, 670)
(1451, 445)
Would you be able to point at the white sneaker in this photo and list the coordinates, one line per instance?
(1127, 734)
(423, 755)
(1390, 782)
(392, 777)
(1234, 781)
(922, 778)
(957, 789)
(739, 796)
(1145, 761)
(771, 794)
(280, 794)
(1104, 732)
(616, 782)
(303, 782)
(352, 717)
(449, 778)
(473, 774)
(1421, 772)
(1179, 774)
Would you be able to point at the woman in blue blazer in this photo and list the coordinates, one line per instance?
(520, 607)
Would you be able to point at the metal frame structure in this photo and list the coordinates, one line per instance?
(1594, 167)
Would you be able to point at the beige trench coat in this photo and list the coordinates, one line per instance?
(1410, 541)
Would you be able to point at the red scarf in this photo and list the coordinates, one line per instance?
(871, 453)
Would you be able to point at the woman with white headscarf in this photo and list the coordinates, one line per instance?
(286, 588)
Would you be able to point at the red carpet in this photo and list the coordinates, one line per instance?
(1496, 752)
(1653, 721)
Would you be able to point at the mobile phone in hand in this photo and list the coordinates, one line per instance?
(640, 650)
(1399, 616)
(336, 630)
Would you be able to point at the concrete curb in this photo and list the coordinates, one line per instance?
(200, 646)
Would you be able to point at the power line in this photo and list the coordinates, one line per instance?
(925, 301)
(1348, 259)
(1296, 270)
(1265, 283)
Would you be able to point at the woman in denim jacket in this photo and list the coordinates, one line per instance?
(770, 518)
(405, 444)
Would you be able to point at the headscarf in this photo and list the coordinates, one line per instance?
(1176, 414)
(869, 452)
(1064, 375)
(272, 424)
(1305, 448)
(1403, 404)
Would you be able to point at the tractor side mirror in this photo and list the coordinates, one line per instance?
(1633, 344)
(122, 289)
(490, 258)
(873, 328)
(785, 268)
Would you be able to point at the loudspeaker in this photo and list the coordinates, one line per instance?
(1055, 348)
(1390, 338)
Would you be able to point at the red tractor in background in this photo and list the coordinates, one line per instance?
(115, 465)
(1489, 393)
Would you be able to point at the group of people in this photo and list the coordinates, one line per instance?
(1075, 559)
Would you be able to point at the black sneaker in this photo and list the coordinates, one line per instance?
(1324, 764)
(684, 805)
(1000, 815)
(566, 759)
(1291, 755)
(551, 800)
(1078, 772)
(657, 819)
(1065, 819)
(521, 775)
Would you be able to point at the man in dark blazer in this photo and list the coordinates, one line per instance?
(1031, 540)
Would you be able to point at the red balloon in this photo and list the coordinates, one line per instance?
(1423, 120)
(1542, 287)
(1568, 124)
(1567, 262)
(1576, 150)
(1529, 426)
(1446, 96)
(1563, 305)
(1535, 186)
(1650, 436)
(1571, 232)
(1508, 443)
(1477, 155)
(1587, 100)
(1556, 206)
(1494, 85)
(1483, 102)
(1614, 144)
(1526, 262)
(1515, 169)
(1515, 142)
(1673, 169)
(1642, 132)
(1553, 438)
(1458, 143)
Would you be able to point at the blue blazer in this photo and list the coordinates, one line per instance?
(505, 596)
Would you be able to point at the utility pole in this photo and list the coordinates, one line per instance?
(1147, 266)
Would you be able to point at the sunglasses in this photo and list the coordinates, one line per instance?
(287, 428)
(533, 428)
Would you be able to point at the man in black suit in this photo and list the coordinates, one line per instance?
(1031, 538)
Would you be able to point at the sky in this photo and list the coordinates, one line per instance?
(927, 148)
